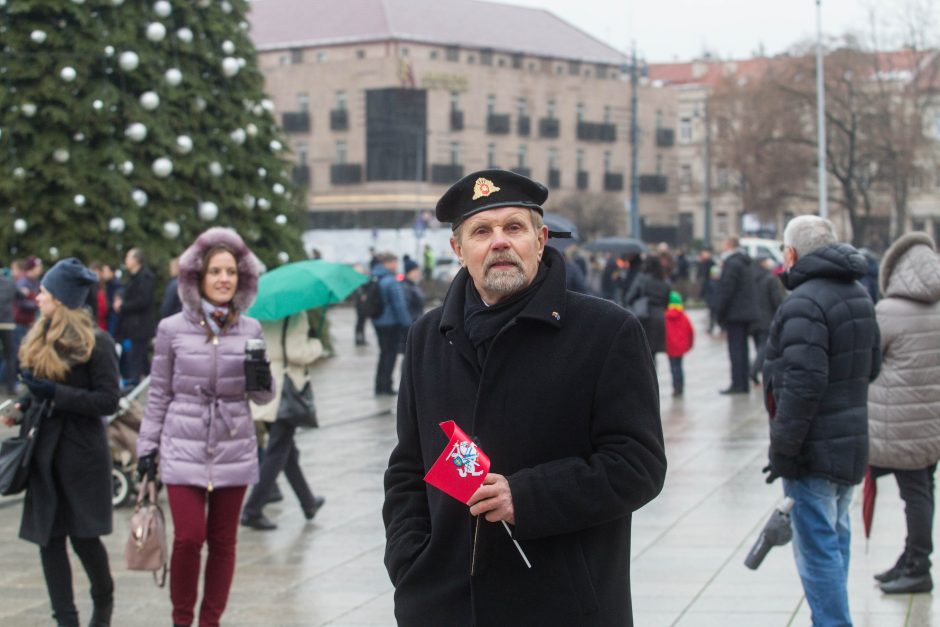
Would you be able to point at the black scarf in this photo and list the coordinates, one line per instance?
(481, 323)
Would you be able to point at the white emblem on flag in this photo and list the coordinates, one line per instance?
(464, 455)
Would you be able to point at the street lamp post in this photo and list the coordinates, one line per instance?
(820, 117)
(634, 140)
(707, 203)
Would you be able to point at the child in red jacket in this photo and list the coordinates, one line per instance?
(679, 338)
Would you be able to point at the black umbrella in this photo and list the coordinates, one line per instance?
(558, 224)
(616, 245)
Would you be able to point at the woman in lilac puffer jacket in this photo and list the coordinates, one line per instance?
(198, 418)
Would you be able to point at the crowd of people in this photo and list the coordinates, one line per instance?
(557, 385)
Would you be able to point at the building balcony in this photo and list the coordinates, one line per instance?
(456, 120)
(613, 182)
(339, 120)
(497, 123)
(295, 121)
(653, 184)
(582, 179)
(554, 178)
(665, 137)
(346, 173)
(597, 131)
(549, 127)
(524, 171)
(446, 173)
(301, 175)
(523, 125)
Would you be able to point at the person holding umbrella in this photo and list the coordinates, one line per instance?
(198, 419)
(903, 401)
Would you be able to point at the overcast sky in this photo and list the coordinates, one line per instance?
(666, 30)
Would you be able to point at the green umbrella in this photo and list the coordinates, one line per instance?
(303, 285)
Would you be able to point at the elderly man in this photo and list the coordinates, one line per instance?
(822, 352)
(560, 391)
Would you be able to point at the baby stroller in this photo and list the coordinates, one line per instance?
(122, 431)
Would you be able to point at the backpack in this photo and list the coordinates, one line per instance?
(371, 299)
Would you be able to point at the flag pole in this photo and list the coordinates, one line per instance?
(518, 548)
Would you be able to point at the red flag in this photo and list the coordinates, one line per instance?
(462, 466)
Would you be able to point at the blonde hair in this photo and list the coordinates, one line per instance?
(55, 344)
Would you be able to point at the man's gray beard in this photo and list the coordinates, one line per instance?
(506, 281)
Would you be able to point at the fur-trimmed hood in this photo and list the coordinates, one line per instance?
(910, 269)
(249, 267)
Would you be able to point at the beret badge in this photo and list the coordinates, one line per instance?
(483, 188)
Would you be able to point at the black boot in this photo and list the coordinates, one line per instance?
(914, 578)
(101, 614)
(894, 572)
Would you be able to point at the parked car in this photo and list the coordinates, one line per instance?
(760, 247)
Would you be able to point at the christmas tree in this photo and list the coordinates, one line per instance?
(129, 123)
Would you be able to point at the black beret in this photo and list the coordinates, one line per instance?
(489, 189)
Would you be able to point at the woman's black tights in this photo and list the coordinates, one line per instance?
(58, 574)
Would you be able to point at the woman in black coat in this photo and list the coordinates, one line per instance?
(651, 284)
(69, 362)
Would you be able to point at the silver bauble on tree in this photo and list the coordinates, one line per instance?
(19, 173)
(19, 225)
(162, 8)
(68, 74)
(208, 210)
(275, 145)
(116, 225)
(38, 36)
(129, 61)
(162, 167)
(228, 47)
(28, 109)
(61, 155)
(53, 252)
(149, 100)
(184, 144)
(264, 204)
(79, 200)
(283, 257)
(215, 168)
(171, 230)
(185, 35)
(173, 77)
(136, 132)
(127, 168)
(238, 136)
(278, 189)
(139, 197)
(280, 219)
(156, 31)
(249, 201)
(230, 66)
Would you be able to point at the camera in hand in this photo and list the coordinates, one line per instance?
(257, 370)
(776, 532)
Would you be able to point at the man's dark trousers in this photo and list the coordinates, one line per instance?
(281, 454)
(738, 352)
(389, 338)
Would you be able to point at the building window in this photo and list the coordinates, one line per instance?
(600, 71)
(552, 158)
(486, 57)
(517, 62)
(322, 57)
(550, 110)
(574, 68)
(491, 104)
(580, 160)
(452, 53)
(403, 51)
(724, 177)
(434, 54)
(360, 54)
(471, 59)
(559, 69)
(685, 130)
(283, 60)
(303, 101)
(522, 107)
(606, 114)
(455, 101)
(580, 112)
(501, 61)
(685, 177)
(301, 150)
(491, 155)
(606, 161)
(341, 152)
(296, 55)
(533, 67)
(454, 153)
(721, 223)
(340, 101)
(522, 157)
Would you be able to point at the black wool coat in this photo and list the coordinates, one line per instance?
(136, 319)
(823, 349)
(736, 298)
(69, 491)
(567, 408)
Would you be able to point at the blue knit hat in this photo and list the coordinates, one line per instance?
(69, 281)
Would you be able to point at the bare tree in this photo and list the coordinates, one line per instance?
(596, 215)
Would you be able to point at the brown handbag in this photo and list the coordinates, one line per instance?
(146, 545)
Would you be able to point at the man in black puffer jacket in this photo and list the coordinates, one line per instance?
(823, 350)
